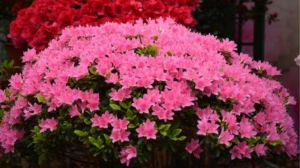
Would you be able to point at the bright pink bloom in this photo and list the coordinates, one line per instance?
(193, 147)
(246, 129)
(119, 135)
(120, 95)
(102, 121)
(260, 149)
(142, 105)
(241, 150)
(162, 113)
(32, 110)
(147, 130)
(127, 154)
(9, 137)
(74, 112)
(205, 127)
(2, 96)
(48, 124)
(118, 124)
(16, 82)
(225, 137)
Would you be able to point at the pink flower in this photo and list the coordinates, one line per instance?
(9, 137)
(241, 150)
(74, 112)
(119, 124)
(246, 129)
(260, 149)
(29, 56)
(32, 110)
(147, 130)
(225, 137)
(16, 82)
(119, 135)
(2, 96)
(142, 105)
(205, 127)
(48, 124)
(127, 154)
(162, 113)
(193, 147)
(120, 95)
(103, 121)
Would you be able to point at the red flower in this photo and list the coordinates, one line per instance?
(36, 25)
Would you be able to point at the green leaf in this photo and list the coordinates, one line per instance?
(81, 133)
(107, 139)
(93, 70)
(276, 143)
(149, 50)
(174, 133)
(115, 107)
(181, 138)
(41, 99)
(130, 115)
(96, 142)
(125, 105)
(164, 128)
(131, 125)
(87, 121)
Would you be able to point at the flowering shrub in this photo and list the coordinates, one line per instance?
(44, 19)
(124, 89)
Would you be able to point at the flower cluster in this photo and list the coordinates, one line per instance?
(125, 84)
(36, 25)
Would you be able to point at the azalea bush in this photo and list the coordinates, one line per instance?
(36, 25)
(124, 91)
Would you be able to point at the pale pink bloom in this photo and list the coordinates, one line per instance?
(119, 135)
(120, 95)
(102, 121)
(119, 124)
(127, 154)
(48, 124)
(147, 130)
(193, 147)
(225, 137)
(205, 127)
(246, 129)
(260, 149)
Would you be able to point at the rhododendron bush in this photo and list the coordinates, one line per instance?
(122, 90)
(36, 25)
